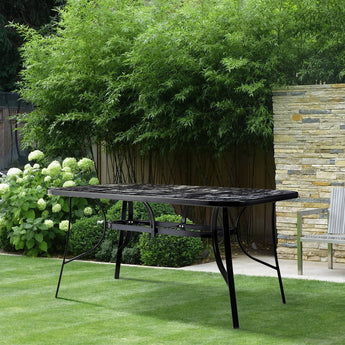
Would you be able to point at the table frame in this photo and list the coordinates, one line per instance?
(127, 225)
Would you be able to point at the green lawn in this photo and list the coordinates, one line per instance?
(159, 306)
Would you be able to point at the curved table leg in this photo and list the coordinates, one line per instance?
(216, 251)
(276, 266)
(64, 261)
(227, 273)
(274, 237)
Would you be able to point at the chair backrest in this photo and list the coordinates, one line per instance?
(336, 222)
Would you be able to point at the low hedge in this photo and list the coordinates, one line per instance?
(169, 251)
(85, 233)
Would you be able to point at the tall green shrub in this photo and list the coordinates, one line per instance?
(167, 74)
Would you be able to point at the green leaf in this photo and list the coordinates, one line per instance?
(43, 227)
(29, 235)
(29, 214)
(39, 237)
(30, 243)
(43, 246)
(18, 243)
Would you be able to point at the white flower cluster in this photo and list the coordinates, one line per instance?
(41, 204)
(70, 163)
(56, 208)
(86, 164)
(69, 184)
(53, 169)
(64, 225)
(36, 155)
(88, 211)
(94, 181)
(4, 187)
(49, 223)
(14, 172)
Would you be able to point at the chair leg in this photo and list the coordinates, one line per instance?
(330, 256)
(300, 257)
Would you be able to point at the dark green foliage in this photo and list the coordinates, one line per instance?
(32, 13)
(5, 243)
(169, 251)
(131, 254)
(104, 252)
(85, 233)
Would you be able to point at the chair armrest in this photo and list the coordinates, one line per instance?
(300, 215)
(312, 211)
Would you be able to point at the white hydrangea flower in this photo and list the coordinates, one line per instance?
(86, 164)
(67, 169)
(44, 171)
(4, 187)
(36, 166)
(54, 168)
(69, 183)
(57, 182)
(64, 225)
(47, 178)
(14, 172)
(36, 155)
(94, 181)
(41, 204)
(67, 176)
(71, 163)
(56, 208)
(88, 211)
(49, 223)
(27, 169)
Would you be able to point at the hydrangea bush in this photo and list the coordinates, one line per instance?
(31, 220)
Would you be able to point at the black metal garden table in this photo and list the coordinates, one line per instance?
(218, 198)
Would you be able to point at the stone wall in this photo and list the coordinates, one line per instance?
(309, 151)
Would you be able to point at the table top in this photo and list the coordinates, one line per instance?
(177, 194)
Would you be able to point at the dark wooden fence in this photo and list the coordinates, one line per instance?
(10, 151)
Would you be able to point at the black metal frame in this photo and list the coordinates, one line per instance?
(127, 225)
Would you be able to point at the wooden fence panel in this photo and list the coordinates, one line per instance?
(251, 168)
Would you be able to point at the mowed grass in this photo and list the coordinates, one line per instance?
(159, 306)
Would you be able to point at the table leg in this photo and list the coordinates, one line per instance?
(64, 261)
(229, 268)
(66, 247)
(123, 241)
(274, 238)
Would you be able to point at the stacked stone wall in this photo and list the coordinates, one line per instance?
(309, 152)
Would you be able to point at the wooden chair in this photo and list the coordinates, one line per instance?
(336, 227)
